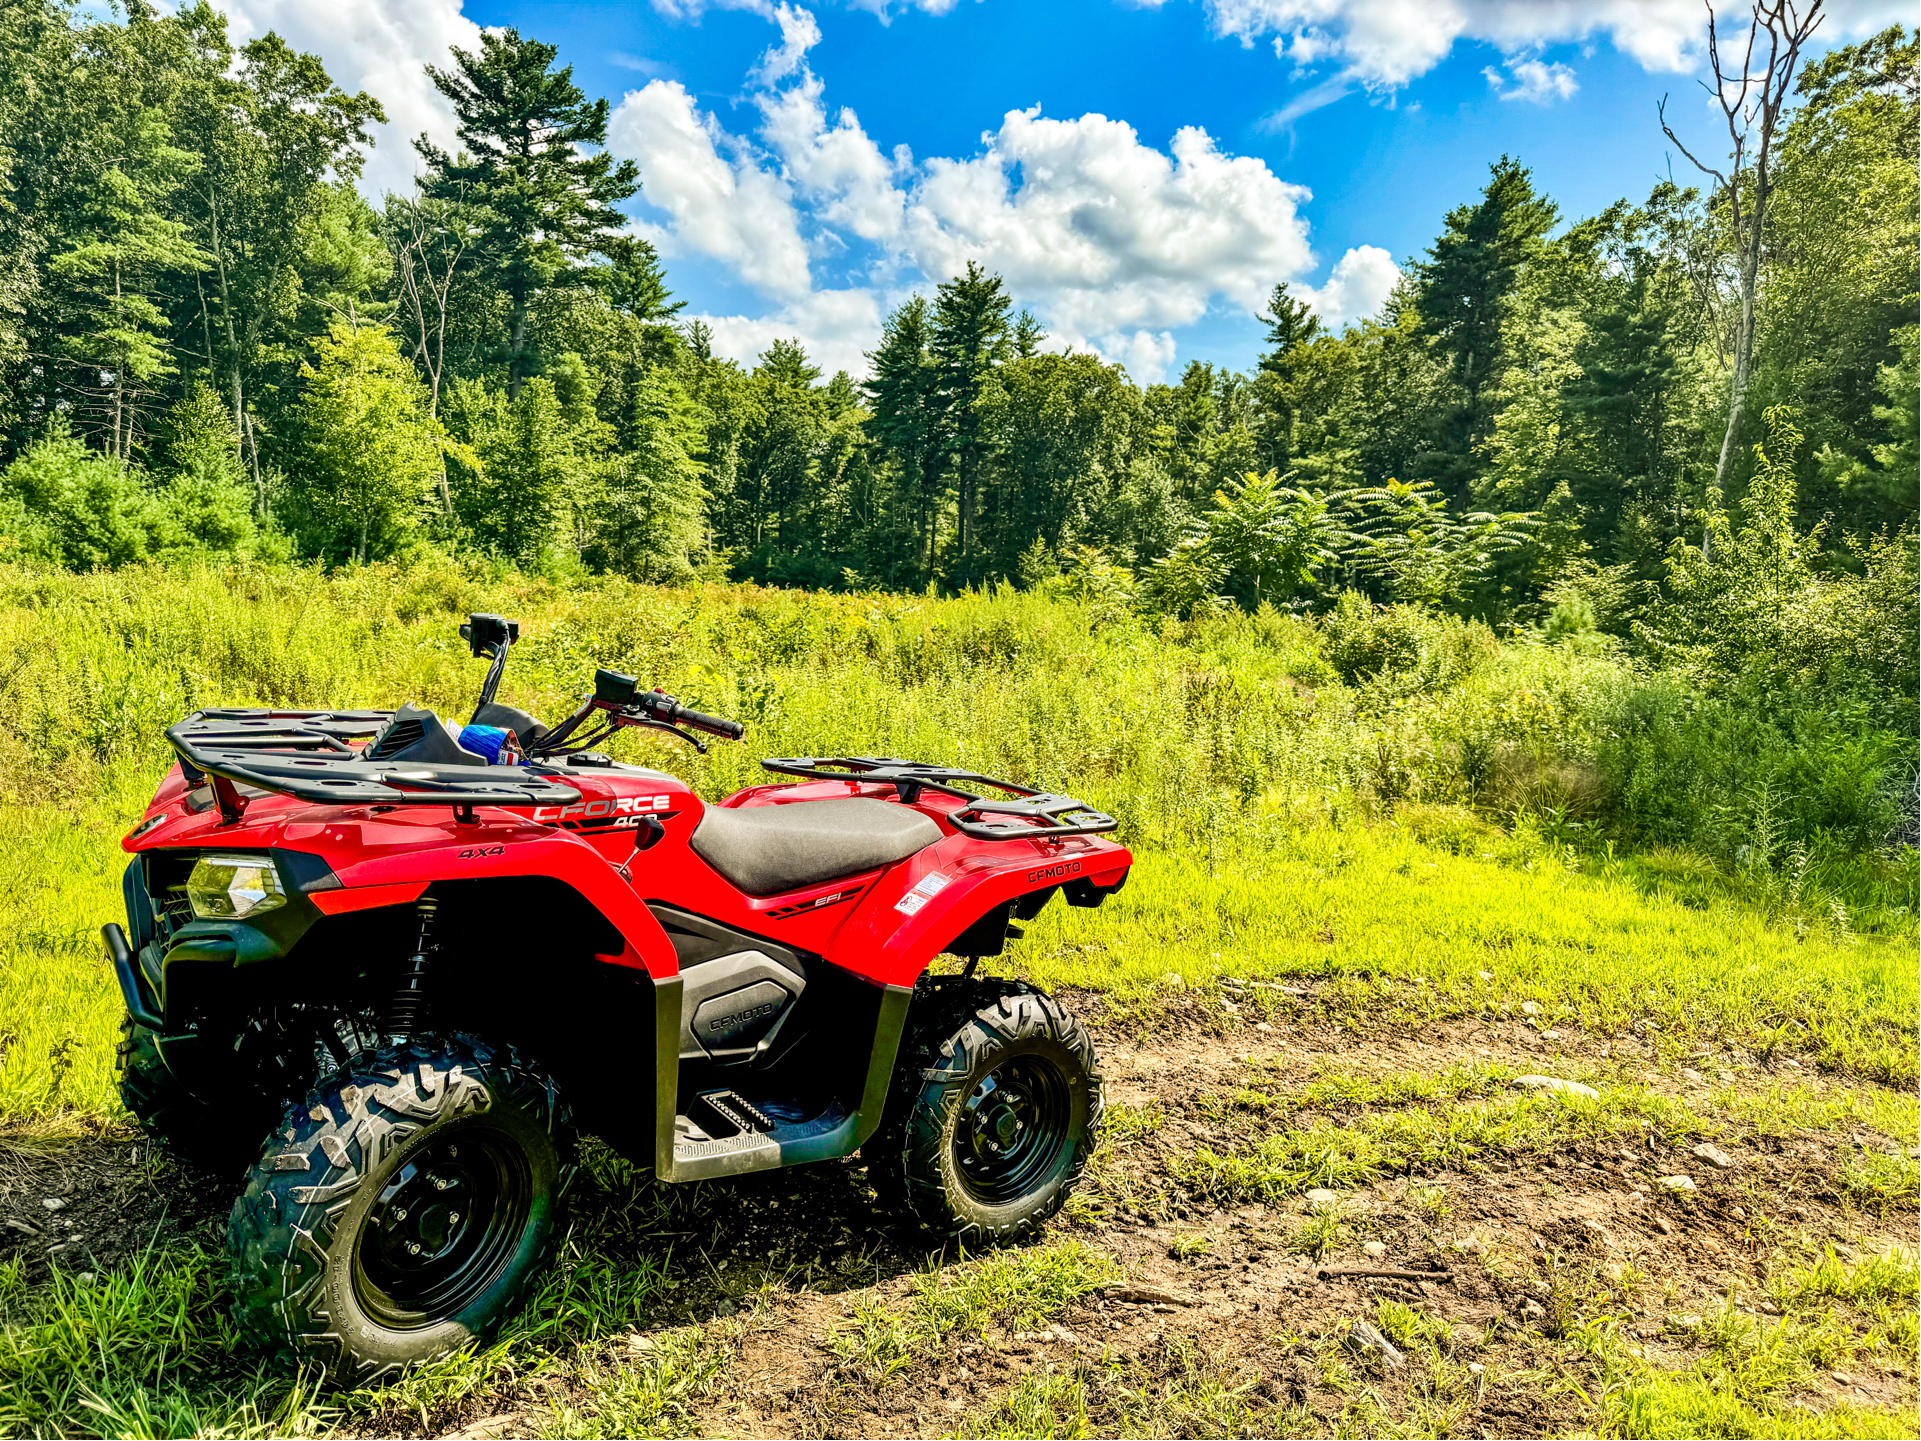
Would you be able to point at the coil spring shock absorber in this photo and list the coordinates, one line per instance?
(409, 1003)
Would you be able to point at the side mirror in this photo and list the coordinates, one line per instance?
(487, 634)
(614, 689)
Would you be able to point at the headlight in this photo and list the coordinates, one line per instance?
(225, 888)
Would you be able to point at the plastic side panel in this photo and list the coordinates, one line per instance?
(667, 1001)
(364, 898)
(921, 906)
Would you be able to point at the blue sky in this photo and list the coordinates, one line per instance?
(1141, 173)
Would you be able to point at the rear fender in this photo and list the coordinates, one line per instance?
(959, 896)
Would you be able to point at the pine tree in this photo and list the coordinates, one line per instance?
(530, 467)
(1291, 325)
(650, 520)
(903, 385)
(970, 340)
(1465, 284)
(544, 205)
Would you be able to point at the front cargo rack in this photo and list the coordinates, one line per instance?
(306, 755)
(1030, 816)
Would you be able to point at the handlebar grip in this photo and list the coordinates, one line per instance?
(728, 729)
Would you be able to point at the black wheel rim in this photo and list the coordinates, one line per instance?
(443, 1228)
(1012, 1129)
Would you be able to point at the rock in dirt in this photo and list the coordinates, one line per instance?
(1663, 1225)
(1713, 1155)
(1841, 1378)
(1149, 1296)
(1693, 1077)
(1678, 1184)
(1555, 1083)
(54, 1203)
(1320, 1198)
(1530, 1008)
(1365, 1340)
(490, 1428)
(1533, 1312)
(1375, 1249)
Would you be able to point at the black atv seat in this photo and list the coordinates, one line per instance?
(768, 849)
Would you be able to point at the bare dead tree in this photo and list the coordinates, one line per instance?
(1752, 101)
(426, 258)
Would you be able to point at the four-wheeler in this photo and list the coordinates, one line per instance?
(392, 966)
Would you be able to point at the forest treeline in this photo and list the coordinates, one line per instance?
(210, 340)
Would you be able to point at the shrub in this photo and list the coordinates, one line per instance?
(1411, 648)
(63, 503)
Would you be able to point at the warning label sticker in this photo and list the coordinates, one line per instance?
(929, 886)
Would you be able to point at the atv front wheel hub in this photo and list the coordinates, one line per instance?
(440, 1231)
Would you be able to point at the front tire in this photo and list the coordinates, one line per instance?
(993, 1121)
(402, 1210)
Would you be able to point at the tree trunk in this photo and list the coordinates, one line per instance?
(119, 373)
(1738, 381)
(517, 340)
(242, 431)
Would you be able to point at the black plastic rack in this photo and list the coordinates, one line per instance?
(306, 755)
(1030, 816)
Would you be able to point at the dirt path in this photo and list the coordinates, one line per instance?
(1221, 1316)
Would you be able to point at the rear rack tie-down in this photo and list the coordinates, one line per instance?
(1029, 816)
(305, 754)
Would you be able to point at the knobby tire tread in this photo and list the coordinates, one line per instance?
(282, 1225)
(962, 1025)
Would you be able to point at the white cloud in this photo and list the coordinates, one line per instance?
(1358, 286)
(1104, 235)
(380, 47)
(1112, 242)
(836, 326)
(1533, 81)
(799, 33)
(733, 211)
(837, 165)
(1148, 355)
(1386, 43)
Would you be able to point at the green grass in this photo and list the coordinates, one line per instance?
(1178, 1392)
(1346, 1128)
(1015, 1290)
(1747, 1380)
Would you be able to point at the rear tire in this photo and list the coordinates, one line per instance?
(992, 1122)
(403, 1209)
(180, 1122)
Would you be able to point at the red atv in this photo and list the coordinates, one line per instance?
(416, 958)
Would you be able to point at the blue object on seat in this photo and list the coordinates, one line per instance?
(484, 741)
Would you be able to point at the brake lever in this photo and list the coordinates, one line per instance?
(660, 725)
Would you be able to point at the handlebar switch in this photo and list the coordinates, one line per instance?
(614, 689)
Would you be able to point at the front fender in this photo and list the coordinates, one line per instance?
(498, 851)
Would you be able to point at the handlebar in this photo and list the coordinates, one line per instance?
(664, 708)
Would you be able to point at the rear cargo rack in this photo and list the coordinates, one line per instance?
(304, 754)
(1030, 816)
